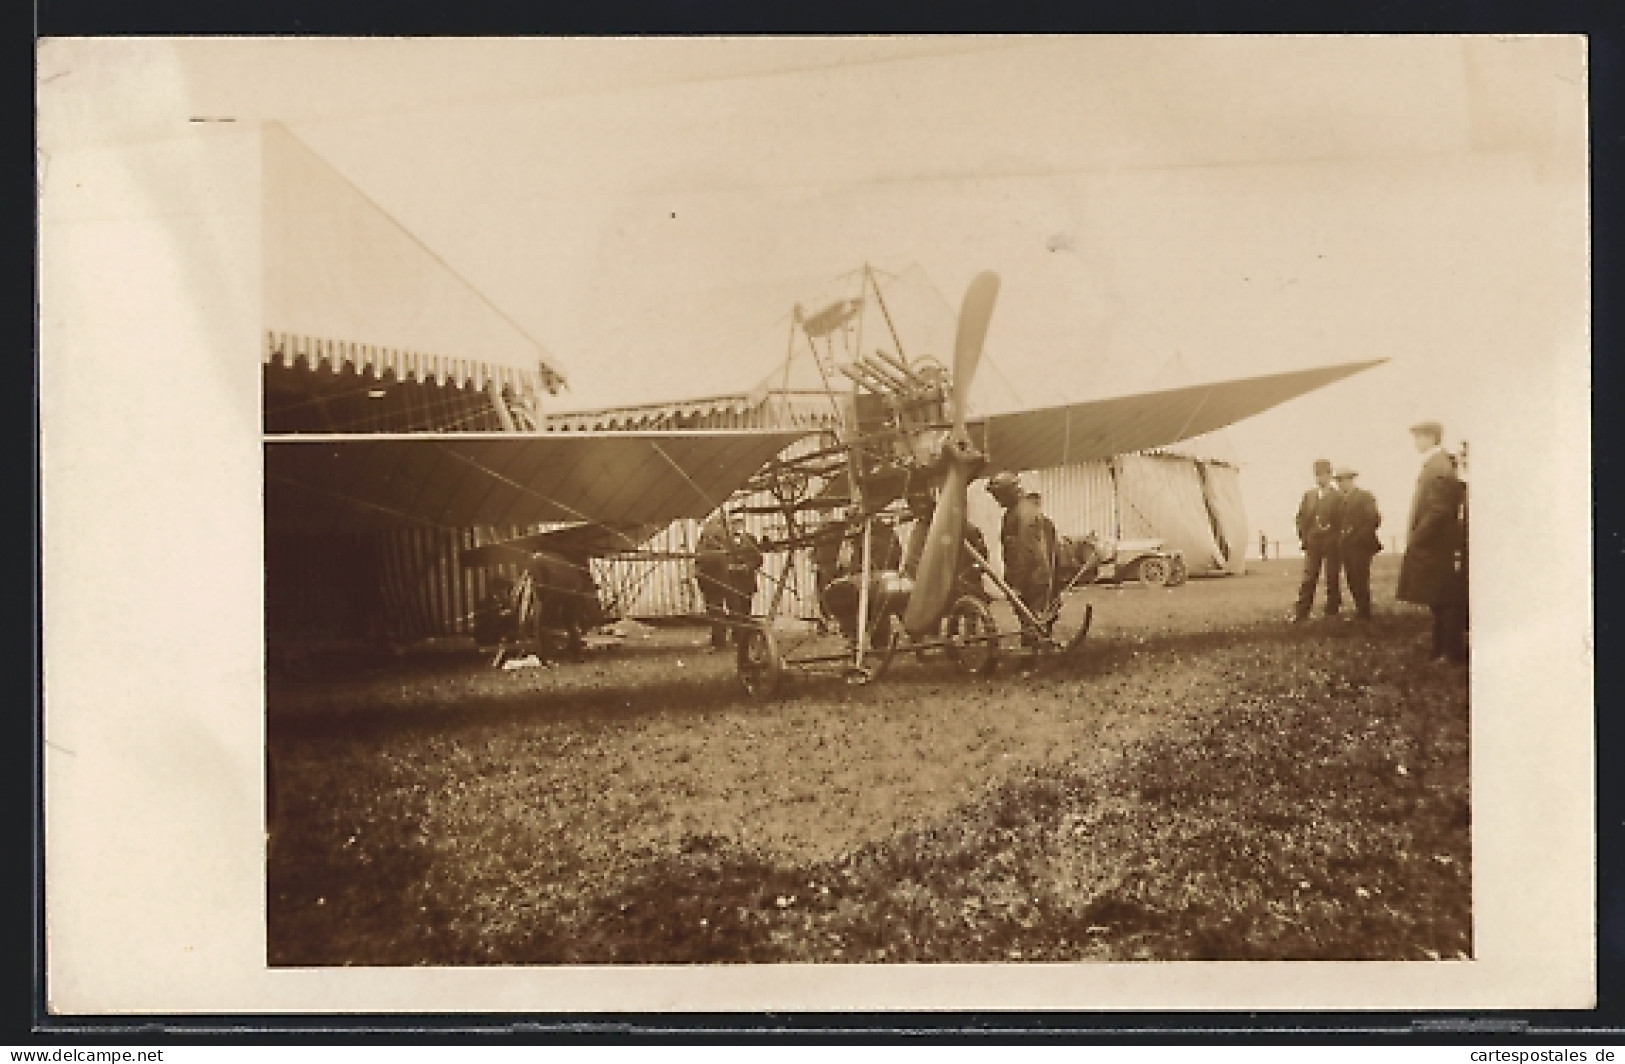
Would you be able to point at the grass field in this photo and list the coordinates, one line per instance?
(1202, 781)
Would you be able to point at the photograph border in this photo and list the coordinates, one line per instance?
(62, 19)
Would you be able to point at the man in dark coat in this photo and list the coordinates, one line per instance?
(727, 562)
(1434, 570)
(1320, 515)
(1029, 542)
(826, 559)
(1358, 543)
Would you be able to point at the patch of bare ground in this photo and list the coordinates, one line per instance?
(1203, 782)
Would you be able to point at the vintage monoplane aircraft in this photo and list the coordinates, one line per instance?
(904, 438)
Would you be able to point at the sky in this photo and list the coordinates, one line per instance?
(1162, 210)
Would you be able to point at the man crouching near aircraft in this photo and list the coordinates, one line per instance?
(1029, 541)
(967, 578)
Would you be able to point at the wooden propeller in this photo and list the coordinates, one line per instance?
(934, 580)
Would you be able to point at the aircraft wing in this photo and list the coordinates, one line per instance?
(1096, 430)
(581, 540)
(609, 480)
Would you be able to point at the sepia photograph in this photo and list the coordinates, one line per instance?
(894, 522)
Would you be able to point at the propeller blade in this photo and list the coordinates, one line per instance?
(934, 580)
(974, 314)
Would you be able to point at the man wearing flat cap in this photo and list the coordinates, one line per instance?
(1320, 516)
(1357, 542)
(1434, 571)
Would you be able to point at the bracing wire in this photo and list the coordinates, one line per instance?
(711, 504)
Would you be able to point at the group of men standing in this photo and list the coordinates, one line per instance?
(1337, 527)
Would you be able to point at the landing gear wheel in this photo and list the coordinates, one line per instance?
(972, 637)
(760, 667)
(1154, 572)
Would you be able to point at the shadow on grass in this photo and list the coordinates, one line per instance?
(1321, 813)
(376, 698)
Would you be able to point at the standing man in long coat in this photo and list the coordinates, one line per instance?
(1434, 571)
(1029, 541)
(1320, 522)
(1357, 543)
(727, 562)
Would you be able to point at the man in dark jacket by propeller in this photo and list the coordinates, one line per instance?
(1320, 516)
(1434, 571)
(1357, 542)
(1029, 541)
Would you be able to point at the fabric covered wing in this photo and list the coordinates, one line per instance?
(581, 540)
(498, 480)
(1084, 432)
